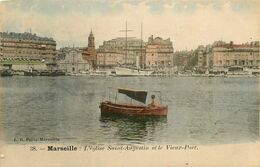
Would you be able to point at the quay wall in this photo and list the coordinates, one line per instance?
(26, 67)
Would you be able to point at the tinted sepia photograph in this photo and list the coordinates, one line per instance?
(129, 83)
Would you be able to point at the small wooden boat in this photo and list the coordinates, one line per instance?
(31, 73)
(6, 73)
(52, 73)
(108, 107)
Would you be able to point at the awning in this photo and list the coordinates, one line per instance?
(138, 95)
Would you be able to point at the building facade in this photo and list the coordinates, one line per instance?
(115, 52)
(204, 57)
(109, 59)
(71, 60)
(181, 58)
(244, 55)
(201, 59)
(26, 46)
(159, 53)
(89, 53)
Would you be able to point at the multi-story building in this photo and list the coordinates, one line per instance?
(26, 46)
(244, 55)
(115, 52)
(109, 58)
(159, 53)
(185, 60)
(204, 56)
(200, 52)
(181, 58)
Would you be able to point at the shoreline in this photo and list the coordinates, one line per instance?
(159, 76)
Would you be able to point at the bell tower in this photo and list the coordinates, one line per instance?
(91, 40)
(90, 53)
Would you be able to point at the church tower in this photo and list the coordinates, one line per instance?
(91, 40)
(90, 53)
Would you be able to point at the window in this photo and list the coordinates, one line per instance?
(227, 62)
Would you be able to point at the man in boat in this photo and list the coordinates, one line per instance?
(153, 103)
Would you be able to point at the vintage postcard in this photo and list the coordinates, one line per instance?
(146, 83)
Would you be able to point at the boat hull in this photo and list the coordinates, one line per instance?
(31, 73)
(52, 73)
(128, 72)
(112, 108)
(6, 73)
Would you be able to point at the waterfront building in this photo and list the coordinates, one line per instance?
(181, 58)
(115, 52)
(71, 60)
(204, 57)
(89, 53)
(200, 52)
(229, 54)
(159, 53)
(26, 46)
(109, 59)
(184, 59)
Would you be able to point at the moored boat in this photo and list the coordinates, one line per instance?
(6, 73)
(52, 73)
(124, 71)
(31, 73)
(108, 107)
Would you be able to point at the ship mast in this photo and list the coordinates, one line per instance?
(126, 30)
(141, 57)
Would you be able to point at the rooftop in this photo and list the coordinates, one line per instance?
(239, 46)
(24, 36)
(123, 40)
(159, 41)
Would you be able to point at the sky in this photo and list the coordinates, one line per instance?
(188, 23)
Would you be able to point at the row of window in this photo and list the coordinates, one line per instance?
(27, 45)
(241, 54)
(109, 62)
(239, 62)
(25, 56)
(159, 55)
(159, 63)
(27, 52)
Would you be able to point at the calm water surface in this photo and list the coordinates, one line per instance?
(201, 110)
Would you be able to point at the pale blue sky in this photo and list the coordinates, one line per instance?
(59, 7)
(187, 22)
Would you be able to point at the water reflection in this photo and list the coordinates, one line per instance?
(133, 128)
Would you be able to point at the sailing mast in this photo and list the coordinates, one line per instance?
(126, 30)
(141, 45)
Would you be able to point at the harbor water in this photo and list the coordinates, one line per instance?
(202, 110)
